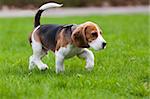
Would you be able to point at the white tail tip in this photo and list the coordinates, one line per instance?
(50, 5)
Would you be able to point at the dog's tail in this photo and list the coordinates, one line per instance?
(41, 9)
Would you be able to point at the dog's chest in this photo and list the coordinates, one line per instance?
(70, 51)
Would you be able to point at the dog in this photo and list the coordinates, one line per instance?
(65, 41)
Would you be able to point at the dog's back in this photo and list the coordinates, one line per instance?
(48, 35)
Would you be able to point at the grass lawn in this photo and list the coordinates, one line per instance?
(121, 71)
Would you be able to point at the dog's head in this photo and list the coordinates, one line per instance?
(88, 35)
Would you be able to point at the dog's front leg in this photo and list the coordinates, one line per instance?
(89, 57)
(59, 62)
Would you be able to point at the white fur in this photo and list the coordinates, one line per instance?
(60, 55)
(35, 59)
(70, 51)
(50, 5)
(65, 53)
(89, 57)
(32, 37)
(97, 43)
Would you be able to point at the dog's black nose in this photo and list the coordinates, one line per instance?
(104, 44)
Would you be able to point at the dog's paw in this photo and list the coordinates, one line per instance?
(59, 70)
(43, 67)
(31, 67)
(89, 68)
(31, 64)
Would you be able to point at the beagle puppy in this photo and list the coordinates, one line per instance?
(65, 41)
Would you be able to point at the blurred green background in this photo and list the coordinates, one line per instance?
(31, 4)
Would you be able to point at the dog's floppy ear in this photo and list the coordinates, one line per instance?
(79, 38)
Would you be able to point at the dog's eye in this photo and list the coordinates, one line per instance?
(94, 34)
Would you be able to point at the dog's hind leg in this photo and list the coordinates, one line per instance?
(89, 57)
(35, 59)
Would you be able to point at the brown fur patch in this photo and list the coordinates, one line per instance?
(78, 37)
(63, 39)
(36, 36)
(85, 33)
(91, 32)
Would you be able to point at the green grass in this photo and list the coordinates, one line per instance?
(121, 71)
